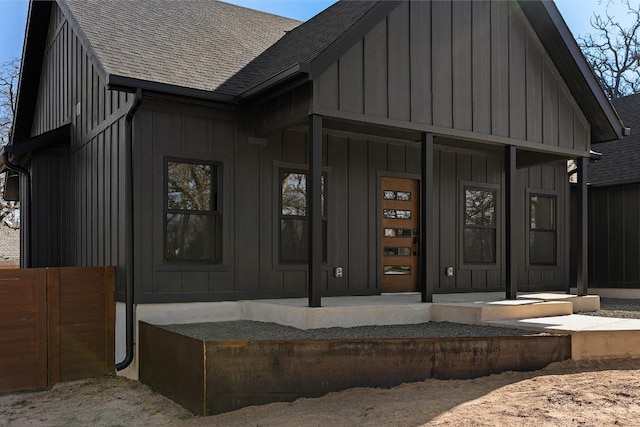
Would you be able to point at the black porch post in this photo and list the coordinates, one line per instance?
(511, 271)
(314, 207)
(425, 253)
(582, 256)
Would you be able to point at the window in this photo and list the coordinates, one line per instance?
(479, 235)
(294, 219)
(542, 230)
(193, 216)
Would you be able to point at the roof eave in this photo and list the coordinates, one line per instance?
(130, 84)
(285, 75)
(31, 66)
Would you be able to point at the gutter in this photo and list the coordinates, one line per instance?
(129, 322)
(25, 208)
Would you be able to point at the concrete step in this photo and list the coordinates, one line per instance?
(592, 337)
(478, 313)
(581, 304)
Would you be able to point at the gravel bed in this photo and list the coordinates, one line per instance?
(619, 308)
(250, 330)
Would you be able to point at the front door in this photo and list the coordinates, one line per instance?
(399, 234)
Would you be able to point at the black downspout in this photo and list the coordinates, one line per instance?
(129, 233)
(25, 208)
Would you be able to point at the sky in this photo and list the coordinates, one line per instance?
(13, 13)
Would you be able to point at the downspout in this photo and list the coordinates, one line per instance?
(25, 208)
(129, 325)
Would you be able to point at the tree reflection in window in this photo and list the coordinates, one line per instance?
(479, 226)
(542, 230)
(294, 218)
(193, 220)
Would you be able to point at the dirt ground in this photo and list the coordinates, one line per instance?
(563, 394)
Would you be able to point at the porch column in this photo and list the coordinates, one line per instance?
(314, 207)
(425, 253)
(582, 249)
(511, 270)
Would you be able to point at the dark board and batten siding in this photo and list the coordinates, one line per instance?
(180, 131)
(453, 169)
(551, 180)
(250, 267)
(466, 69)
(78, 192)
(353, 168)
(614, 236)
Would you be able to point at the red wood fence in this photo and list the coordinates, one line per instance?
(56, 324)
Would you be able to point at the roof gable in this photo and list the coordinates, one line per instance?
(216, 50)
(563, 49)
(197, 44)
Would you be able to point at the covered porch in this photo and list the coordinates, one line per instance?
(440, 200)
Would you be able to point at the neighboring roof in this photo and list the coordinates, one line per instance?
(620, 161)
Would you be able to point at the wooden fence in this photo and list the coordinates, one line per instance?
(56, 324)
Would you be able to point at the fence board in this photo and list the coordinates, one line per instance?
(23, 354)
(80, 322)
(85, 311)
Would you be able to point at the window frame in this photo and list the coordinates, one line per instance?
(215, 210)
(541, 193)
(279, 170)
(497, 227)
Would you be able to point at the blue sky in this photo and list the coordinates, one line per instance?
(576, 13)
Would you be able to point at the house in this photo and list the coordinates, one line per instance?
(614, 203)
(9, 247)
(216, 153)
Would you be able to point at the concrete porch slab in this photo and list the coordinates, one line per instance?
(342, 312)
(400, 308)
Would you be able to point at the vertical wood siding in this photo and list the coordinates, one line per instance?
(175, 130)
(471, 66)
(545, 179)
(451, 169)
(614, 236)
(78, 190)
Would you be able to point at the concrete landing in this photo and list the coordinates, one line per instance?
(592, 337)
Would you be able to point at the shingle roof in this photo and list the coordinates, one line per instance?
(302, 44)
(197, 44)
(620, 161)
(203, 44)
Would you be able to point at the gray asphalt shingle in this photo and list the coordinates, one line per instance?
(206, 44)
(197, 44)
(620, 161)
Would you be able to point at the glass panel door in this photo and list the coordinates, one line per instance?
(399, 234)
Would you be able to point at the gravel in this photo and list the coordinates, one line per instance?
(250, 330)
(620, 308)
